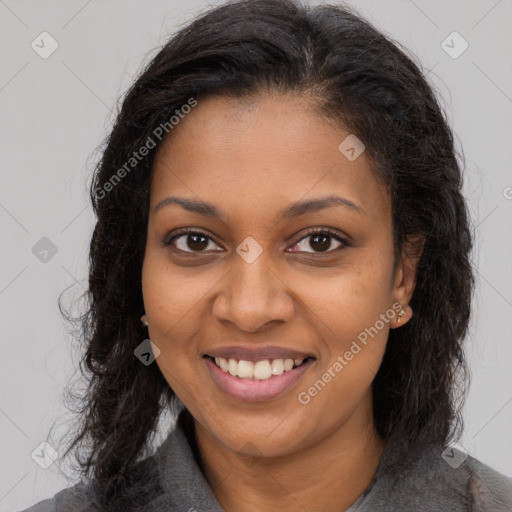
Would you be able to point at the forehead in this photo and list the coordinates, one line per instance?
(268, 149)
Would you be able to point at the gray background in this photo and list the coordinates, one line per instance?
(56, 111)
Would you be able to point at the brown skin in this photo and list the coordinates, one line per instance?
(251, 158)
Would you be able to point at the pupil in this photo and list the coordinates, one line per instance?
(323, 246)
(195, 238)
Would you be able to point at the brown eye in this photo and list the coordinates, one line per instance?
(190, 241)
(320, 241)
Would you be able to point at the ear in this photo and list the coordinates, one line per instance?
(405, 278)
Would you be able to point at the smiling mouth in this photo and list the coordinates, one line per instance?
(264, 369)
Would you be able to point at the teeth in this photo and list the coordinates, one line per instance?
(245, 369)
(233, 367)
(261, 370)
(223, 364)
(288, 365)
(277, 366)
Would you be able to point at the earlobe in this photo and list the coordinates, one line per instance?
(403, 316)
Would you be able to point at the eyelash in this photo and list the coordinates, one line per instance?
(313, 231)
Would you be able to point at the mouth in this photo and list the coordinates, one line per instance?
(256, 381)
(263, 369)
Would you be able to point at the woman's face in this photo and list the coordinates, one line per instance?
(251, 284)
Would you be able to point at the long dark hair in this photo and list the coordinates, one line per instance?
(354, 75)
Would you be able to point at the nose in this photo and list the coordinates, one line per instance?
(253, 295)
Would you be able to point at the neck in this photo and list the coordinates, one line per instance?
(328, 475)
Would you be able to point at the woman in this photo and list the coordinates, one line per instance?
(280, 212)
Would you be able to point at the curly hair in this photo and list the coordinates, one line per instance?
(354, 75)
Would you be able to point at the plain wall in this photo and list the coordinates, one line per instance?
(56, 111)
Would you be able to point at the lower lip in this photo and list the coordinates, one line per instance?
(255, 390)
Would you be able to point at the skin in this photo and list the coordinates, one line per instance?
(251, 158)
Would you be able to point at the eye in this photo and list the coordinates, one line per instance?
(320, 239)
(192, 241)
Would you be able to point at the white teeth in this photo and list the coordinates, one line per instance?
(233, 367)
(288, 365)
(223, 364)
(246, 369)
(277, 366)
(261, 370)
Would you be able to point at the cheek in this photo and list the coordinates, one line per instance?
(171, 304)
(352, 312)
(173, 295)
(349, 300)
(354, 355)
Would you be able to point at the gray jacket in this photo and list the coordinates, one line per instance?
(439, 480)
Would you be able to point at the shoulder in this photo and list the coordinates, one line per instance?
(140, 488)
(79, 498)
(442, 478)
(74, 498)
(490, 489)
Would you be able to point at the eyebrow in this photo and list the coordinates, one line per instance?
(294, 210)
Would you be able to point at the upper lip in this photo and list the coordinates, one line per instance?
(257, 353)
